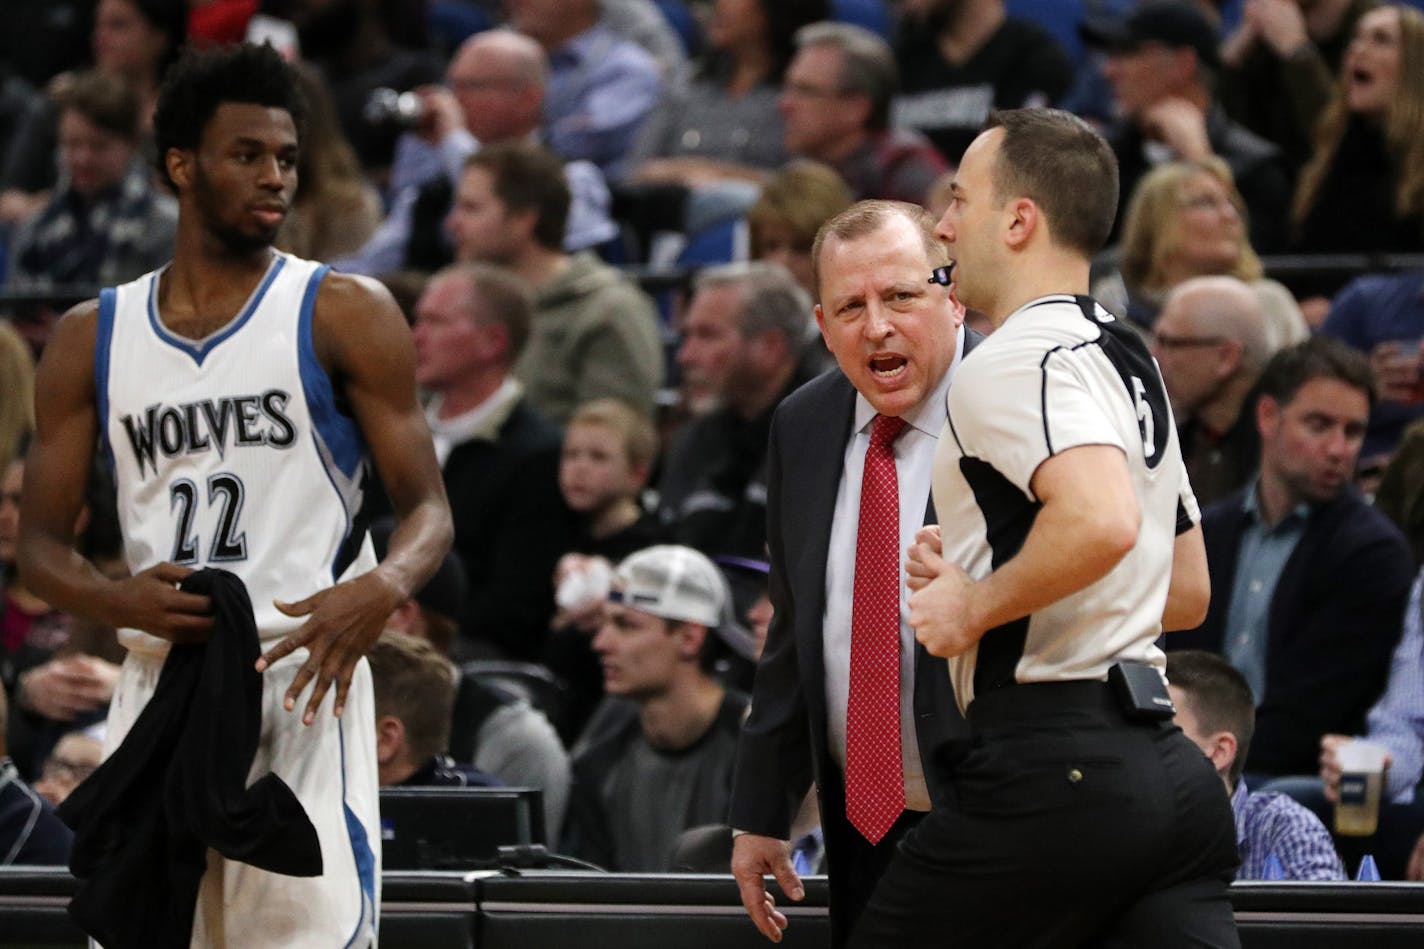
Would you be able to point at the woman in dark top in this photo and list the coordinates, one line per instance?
(1363, 192)
(724, 122)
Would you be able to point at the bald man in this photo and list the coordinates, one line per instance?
(494, 92)
(1212, 340)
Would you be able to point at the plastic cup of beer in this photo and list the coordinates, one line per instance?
(1361, 785)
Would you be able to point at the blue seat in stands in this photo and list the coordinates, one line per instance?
(874, 15)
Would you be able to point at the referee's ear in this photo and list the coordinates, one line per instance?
(1026, 224)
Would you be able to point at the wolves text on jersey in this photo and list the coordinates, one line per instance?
(210, 425)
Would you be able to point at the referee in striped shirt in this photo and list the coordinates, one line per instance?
(1081, 816)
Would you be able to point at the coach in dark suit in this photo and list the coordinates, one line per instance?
(896, 337)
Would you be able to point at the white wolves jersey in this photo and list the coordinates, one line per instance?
(1061, 372)
(231, 451)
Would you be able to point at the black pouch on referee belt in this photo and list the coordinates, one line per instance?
(1141, 692)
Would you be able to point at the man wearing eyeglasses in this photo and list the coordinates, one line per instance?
(835, 108)
(1211, 343)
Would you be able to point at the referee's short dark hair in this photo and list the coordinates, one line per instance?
(1317, 357)
(1220, 697)
(1059, 162)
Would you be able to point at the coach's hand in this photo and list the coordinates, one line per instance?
(343, 624)
(151, 601)
(753, 857)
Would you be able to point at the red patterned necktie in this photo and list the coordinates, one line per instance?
(875, 786)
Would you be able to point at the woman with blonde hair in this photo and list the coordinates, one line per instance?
(1186, 219)
(793, 205)
(1363, 191)
(17, 392)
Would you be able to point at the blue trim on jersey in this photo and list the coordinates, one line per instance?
(338, 432)
(103, 343)
(199, 349)
(360, 849)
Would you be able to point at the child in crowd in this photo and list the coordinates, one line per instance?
(609, 449)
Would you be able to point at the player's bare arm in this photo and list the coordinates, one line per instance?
(363, 341)
(1088, 522)
(66, 430)
(1189, 593)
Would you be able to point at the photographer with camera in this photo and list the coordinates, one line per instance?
(493, 92)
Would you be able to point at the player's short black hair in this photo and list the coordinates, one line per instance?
(202, 80)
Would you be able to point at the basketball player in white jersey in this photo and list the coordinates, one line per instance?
(1069, 540)
(237, 393)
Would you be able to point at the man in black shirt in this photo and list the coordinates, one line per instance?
(961, 58)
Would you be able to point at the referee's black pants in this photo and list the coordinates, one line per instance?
(1071, 826)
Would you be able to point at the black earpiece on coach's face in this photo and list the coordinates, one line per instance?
(942, 275)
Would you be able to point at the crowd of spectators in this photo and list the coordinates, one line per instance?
(522, 174)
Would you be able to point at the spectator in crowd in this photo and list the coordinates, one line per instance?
(106, 223)
(743, 340)
(835, 103)
(961, 58)
(53, 685)
(351, 45)
(1161, 63)
(1363, 190)
(724, 123)
(1382, 316)
(608, 453)
(594, 333)
(493, 92)
(1279, 67)
(1310, 580)
(133, 42)
(73, 759)
(1186, 219)
(20, 105)
(56, 37)
(17, 393)
(1211, 345)
(498, 455)
(492, 726)
(793, 205)
(31, 834)
(415, 698)
(601, 85)
(1400, 495)
(650, 25)
(1215, 710)
(1396, 722)
(609, 450)
(660, 761)
(335, 209)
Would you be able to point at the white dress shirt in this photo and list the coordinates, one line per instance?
(914, 457)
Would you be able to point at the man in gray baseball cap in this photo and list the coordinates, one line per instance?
(657, 758)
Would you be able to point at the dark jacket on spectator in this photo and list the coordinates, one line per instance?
(30, 833)
(1334, 621)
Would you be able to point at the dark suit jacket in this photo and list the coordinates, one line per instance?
(1334, 620)
(511, 526)
(784, 745)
